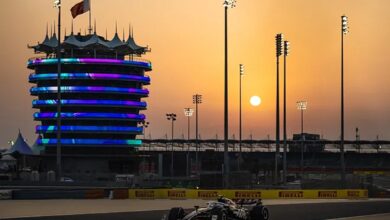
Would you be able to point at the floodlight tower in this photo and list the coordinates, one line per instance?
(302, 105)
(344, 31)
(279, 52)
(286, 52)
(196, 99)
(144, 124)
(226, 4)
(171, 117)
(188, 113)
(240, 116)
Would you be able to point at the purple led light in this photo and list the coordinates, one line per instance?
(97, 76)
(53, 89)
(145, 64)
(90, 102)
(84, 115)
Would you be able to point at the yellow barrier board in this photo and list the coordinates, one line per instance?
(246, 194)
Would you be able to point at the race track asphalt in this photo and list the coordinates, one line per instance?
(309, 211)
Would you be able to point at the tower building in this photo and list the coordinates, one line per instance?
(102, 93)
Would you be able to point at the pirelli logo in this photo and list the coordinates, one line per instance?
(291, 194)
(327, 194)
(144, 194)
(353, 193)
(247, 194)
(176, 194)
(207, 194)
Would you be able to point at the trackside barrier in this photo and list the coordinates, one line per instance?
(119, 194)
(246, 194)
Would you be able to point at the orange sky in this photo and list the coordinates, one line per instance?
(186, 37)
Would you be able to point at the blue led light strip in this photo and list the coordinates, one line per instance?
(89, 115)
(90, 61)
(94, 76)
(91, 142)
(82, 102)
(81, 128)
(93, 89)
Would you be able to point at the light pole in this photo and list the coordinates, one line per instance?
(171, 117)
(196, 99)
(57, 4)
(286, 52)
(144, 124)
(344, 31)
(188, 113)
(226, 5)
(240, 117)
(279, 51)
(302, 105)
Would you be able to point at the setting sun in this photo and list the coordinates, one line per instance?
(255, 100)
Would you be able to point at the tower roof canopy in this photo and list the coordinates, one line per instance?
(91, 42)
(20, 146)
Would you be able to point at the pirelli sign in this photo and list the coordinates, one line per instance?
(290, 194)
(207, 194)
(176, 194)
(327, 194)
(144, 194)
(353, 193)
(247, 195)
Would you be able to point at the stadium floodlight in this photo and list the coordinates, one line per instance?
(286, 48)
(57, 3)
(230, 3)
(302, 105)
(344, 24)
(279, 44)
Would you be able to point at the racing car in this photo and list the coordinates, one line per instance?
(223, 209)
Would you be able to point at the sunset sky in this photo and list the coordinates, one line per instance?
(186, 38)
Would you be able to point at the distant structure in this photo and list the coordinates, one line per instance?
(19, 146)
(102, 86)
(312, 147)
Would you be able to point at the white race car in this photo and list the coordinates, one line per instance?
(223, 209)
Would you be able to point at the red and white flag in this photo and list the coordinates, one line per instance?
(80, 8)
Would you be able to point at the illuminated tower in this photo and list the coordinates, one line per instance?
(102, 90)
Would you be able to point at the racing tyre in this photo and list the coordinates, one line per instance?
(259, 213)
(176, 213)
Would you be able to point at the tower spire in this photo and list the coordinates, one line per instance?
(54, 28)
(47, 28)
(123, 35)
(51, 31)
(129, 30)
(94, 27)
(72, 27)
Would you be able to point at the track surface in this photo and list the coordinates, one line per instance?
(277, 212)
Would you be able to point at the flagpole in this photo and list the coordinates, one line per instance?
(59, 168)
(90, 28)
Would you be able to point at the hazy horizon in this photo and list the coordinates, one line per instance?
(186, 38)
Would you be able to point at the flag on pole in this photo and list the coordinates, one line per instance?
(80, 8)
